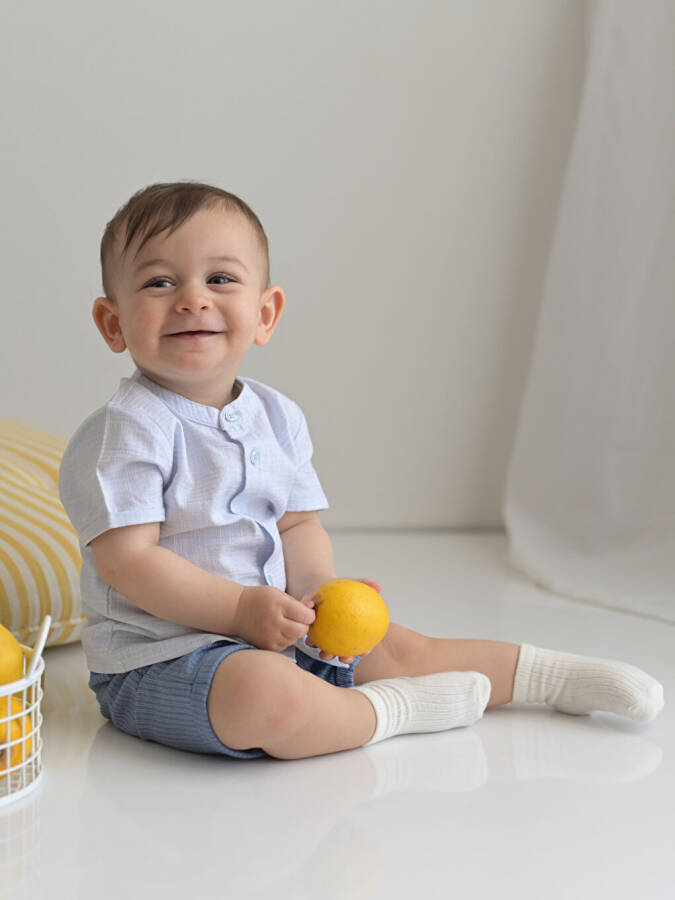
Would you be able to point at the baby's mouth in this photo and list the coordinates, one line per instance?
(193, 333)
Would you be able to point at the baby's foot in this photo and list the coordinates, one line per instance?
(426, 703)
(580, 684)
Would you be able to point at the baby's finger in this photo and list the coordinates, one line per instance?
(299, 612)
(344, 659)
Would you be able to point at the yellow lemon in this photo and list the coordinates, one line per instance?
(18, 728)
(351, 618)
(11, 657)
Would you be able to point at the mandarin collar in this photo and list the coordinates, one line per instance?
(234, 416)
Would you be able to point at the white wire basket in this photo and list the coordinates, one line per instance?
(20, 731)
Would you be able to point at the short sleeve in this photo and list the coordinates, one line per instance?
(113, 472)
(306, 492)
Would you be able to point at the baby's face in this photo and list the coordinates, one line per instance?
(190, 305)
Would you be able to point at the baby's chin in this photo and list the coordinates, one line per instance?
(195, 381)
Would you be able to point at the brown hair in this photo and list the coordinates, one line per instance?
(160, 206)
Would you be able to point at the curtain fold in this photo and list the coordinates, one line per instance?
(589, 505)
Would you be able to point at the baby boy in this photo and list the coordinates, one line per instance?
(196, 504)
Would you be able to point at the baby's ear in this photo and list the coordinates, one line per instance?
(272, 303)
(106, 317)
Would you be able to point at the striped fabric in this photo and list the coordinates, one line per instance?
(39, 551)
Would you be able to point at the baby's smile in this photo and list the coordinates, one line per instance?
(194, 334)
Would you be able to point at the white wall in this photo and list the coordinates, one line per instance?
(406, 160)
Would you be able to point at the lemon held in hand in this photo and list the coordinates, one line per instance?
(11, 657)
(351, 618)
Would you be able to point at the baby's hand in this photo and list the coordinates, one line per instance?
(307, 599)
(270, 619)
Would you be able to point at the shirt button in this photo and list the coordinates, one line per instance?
(231, 415)
(254, 457)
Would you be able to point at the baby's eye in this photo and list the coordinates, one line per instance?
(160, 282)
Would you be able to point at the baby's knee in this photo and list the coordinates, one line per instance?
(255, 696)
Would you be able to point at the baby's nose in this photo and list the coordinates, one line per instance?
(193, 298)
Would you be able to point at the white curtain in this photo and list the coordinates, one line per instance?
(590, 499)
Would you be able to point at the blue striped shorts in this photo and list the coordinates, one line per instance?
(166, 702)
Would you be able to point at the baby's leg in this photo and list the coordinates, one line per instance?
(521, 673)
(406, 652)
(262, 699)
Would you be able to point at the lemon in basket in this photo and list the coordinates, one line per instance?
(18, 728)
(11, 657)
(351, 618)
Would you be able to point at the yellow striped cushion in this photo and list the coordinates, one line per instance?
(39, 552)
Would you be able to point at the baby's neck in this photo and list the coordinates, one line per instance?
(203, 395)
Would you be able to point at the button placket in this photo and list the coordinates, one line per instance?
(231, 423)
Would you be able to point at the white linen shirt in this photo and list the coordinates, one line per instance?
(217, 481)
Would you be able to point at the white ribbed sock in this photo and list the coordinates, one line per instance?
(426, 703)
(580, 684)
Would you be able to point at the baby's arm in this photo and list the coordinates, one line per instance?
(168, 586)
(162, 582)
(309, 562)
(308, 553)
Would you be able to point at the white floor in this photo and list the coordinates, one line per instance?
(528, 803)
